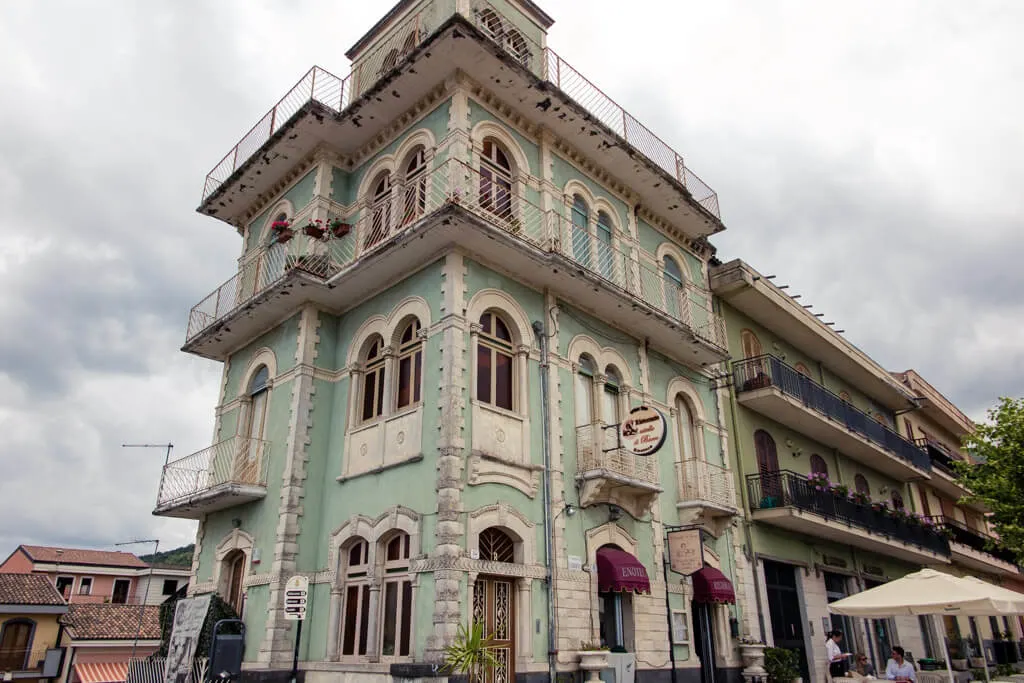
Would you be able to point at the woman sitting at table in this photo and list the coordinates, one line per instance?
(899, 669)
(862, 668)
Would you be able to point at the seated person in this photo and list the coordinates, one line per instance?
(898, 668)
(862, 668)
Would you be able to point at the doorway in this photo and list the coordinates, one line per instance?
(784, 610)
(704, 640)
(121, 587)
(494, 607)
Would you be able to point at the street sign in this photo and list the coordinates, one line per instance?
(295, 593)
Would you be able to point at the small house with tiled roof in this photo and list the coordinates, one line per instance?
(87, 576)
(30, 632)
(101, 638)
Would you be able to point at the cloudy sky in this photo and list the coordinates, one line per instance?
(871, 154)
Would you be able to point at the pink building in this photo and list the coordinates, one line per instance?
(101, 638)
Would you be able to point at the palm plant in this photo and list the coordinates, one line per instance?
(471, 653)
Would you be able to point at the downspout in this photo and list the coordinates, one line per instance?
(540, 329)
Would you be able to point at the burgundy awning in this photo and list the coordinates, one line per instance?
(617, 571)
(711, 586)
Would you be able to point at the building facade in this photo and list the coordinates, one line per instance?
(456, 280)
(30, 610)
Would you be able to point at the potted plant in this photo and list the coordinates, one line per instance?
(314, 229)
(339, 228)
(282, 231)
(781, 665)
(593, 658)
(860, 498)
(471, 654)
(841, 490)
(819, 480)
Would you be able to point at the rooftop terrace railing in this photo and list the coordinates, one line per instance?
(335, 93)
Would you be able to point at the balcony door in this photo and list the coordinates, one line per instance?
(768, 467)
(121, 588)
(247, 463)
(15, 643)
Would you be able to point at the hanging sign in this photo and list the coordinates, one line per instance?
(643, 432)
(685, 551)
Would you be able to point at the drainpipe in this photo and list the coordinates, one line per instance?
(541, 331)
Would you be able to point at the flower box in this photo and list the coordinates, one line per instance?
(339, 229)
(314, 229)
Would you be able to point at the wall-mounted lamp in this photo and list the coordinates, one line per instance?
(236, 523)
(569, 510)
(614, 513)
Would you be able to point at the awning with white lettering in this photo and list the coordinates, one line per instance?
(617, 571)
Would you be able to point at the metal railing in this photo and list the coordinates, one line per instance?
(152, 670)
(941, 457)
(711, 483)
(768, 371)
(597, 449)
(789, 489)
(623, 265)
(978, 540)
(21, 658)
(323, 87)
(238, 460)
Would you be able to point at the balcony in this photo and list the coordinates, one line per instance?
(709, 497)
(976, 549)
(618, 281)
(944, 475)
(347, 113)
(788, 500)
(770, 387)
(34, 663)
(609, 474)
(230, 473)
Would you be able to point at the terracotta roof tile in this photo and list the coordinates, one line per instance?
(112, 622)
(105, 558)
(28, 589)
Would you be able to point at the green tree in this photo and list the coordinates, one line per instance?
(997, 477)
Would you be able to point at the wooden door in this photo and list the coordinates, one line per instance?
(494, 607)
(767, 463)
(14, 645)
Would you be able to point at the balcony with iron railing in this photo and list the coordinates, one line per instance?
(976, 549)
(621, 140)
(708, 495)
(29, 662)
(229, 473)
(768, 386)
(612, 475)
(790, 501)
(616, 278)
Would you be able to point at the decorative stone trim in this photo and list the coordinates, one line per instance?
(486, 468)
(465, 564)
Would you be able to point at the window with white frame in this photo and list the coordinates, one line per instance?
(410, 366)
(605, 247)
(65, 584)
(415, 185)
(673, 286)
(373, 380)
(610, 408)
(687, 426)
(85, 585)
(580, 215)
(396, 615)
(495, 179)
(585, 371)
(495, 362)
(355, 622)
(380, 210)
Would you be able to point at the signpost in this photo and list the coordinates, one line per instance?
(296, 591)
(643, 432)
(685, 551)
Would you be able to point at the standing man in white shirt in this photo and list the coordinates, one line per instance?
(898, 668)
(836, 657)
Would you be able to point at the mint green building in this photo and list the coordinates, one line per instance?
(462, 267)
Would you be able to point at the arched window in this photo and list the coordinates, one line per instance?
(247, 464)
(897, 500)
(585, 372)
(390, 60)
(818, 465)
(234, 566)
(496, 546)
(610, 397)
(491, 23)
(356, 590)
(750, 344)
(380, 211)
(271, 264)
(674, 291)
(415, 185)
(767, 463)
(495, 180)
(410, 366)
(605, 248)
(580, 214)
(845, 395)
(373, 380)
(495, 366)
(396, 621)
(410, 43)
(16, 644)
(687, 430)
(802, 369)
(516, 45)
(860, 484)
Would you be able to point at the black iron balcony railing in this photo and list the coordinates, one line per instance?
(978, 540)
(789, 489)
(768, 371)
(940, 455)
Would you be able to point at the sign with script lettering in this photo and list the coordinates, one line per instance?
(644, 431)
(685, 551)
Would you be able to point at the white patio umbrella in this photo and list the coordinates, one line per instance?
(929, 592)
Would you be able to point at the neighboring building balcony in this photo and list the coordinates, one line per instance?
(609, 474)
(944, 475)
(454, 205)
(788, 500)
(36, 663)
(418, 56)
(976, 549)
(770, 387)
(226, 474)
(709, 497)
